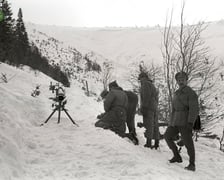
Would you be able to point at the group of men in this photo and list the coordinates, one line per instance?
(120, 108)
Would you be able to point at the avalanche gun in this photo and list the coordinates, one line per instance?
(59, 103)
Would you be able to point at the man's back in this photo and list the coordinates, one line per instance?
(116, 98)
(149, 95)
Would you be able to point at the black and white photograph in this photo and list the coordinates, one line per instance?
(111, 90)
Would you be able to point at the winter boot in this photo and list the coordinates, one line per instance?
(190, 167)
(177, 158)
(134, 138)
(148, 143)
(156, 144)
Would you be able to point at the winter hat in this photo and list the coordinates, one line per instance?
(181, 73)
(113, 84)
(143, 75)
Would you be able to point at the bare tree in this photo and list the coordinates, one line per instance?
(149, 68)
(168, 53)
(106, 74)
(132, 76)
(183, 49)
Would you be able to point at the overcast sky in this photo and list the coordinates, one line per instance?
(100, 13)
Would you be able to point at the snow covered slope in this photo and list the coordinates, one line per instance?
(64, 151)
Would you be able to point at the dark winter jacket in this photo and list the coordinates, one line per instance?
(185, 107)
(115, 98)
(148, 95)
(115, 106)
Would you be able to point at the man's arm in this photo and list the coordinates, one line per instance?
(108, 101)
(193, 107)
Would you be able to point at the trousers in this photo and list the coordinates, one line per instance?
(186, 135)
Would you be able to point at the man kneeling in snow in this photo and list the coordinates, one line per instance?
(115, 116)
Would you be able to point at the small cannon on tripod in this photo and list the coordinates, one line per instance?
(59, 103)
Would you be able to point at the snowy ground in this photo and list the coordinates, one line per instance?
(67, 152)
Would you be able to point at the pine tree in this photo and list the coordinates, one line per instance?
(6, 33)
(22, 42)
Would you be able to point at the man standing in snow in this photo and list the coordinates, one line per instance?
(115, 106)
(185, 109)
(148, 108)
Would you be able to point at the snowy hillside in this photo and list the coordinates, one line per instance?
(58, 52)
(125, 45)
(214, 104)
(122, 46)
(214, 38)
(77, 65)
(64, 151)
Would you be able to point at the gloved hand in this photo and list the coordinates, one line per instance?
(140, 124)
(100, 116)
(143, 110)
(190, 126)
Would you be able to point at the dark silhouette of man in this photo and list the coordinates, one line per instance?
(185, 109)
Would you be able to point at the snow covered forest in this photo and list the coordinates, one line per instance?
(84, 61)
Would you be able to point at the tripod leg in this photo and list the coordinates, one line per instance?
(59, 114)
(49, 117)
(70, 117)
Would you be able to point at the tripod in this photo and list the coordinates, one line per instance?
(60, 107)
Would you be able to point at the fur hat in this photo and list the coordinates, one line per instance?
(143, 75)
(113, 84)
(181, 73)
